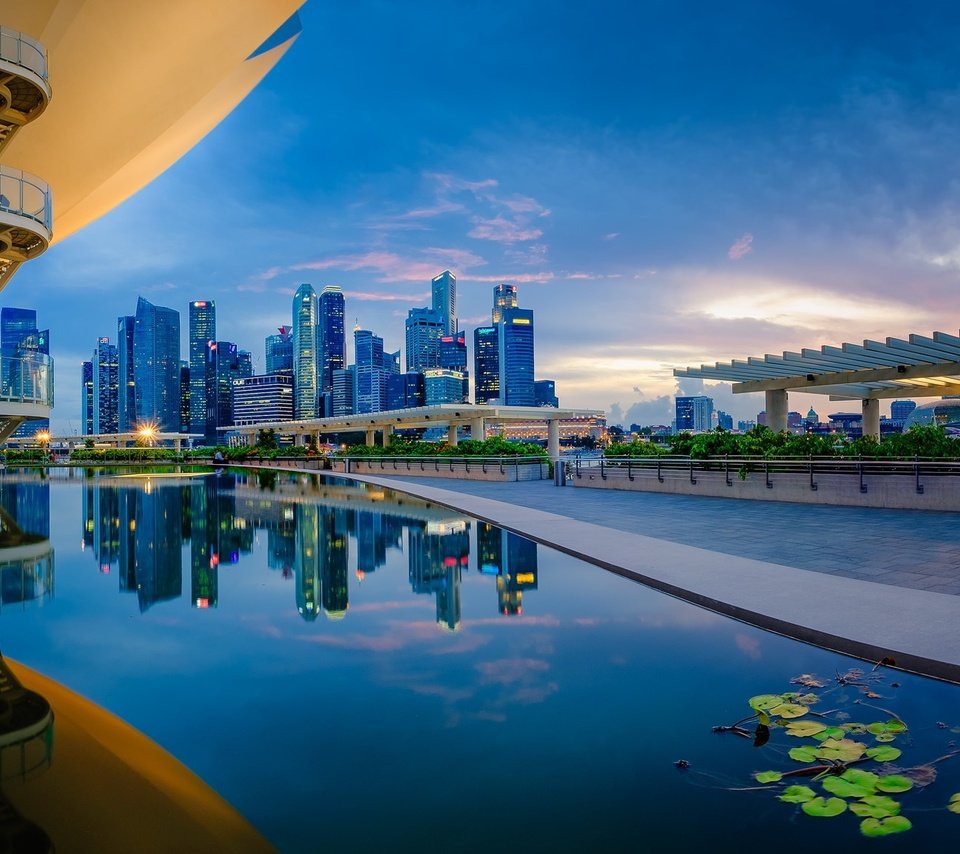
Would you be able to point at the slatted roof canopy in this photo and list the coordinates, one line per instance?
(920, 365)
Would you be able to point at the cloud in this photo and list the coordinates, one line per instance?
(613, 235)
(741, 247)
(515, 279)
(503, 230)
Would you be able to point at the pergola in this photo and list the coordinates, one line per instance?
(920, 365)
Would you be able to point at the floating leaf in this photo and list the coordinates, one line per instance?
(763, 702)
(797, 794)
(884, 826)
(884, 754)
(805, 729)
(894, 783)
(768, 776)
(953, 806)
(824, 807)
(835, 731)
(763, 718)
(808, 681)
(875, 806)
(762, 735)
(896, 726)
(885, 737)
(861, 778)
(789, 710)
(802, 754)
(845, 789)
(843, 750)
(855, 728)
(887, 728)
(808, 699)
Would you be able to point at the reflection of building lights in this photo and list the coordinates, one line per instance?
(214, 560)
(105, 568)
(360, 575)
(203, 603)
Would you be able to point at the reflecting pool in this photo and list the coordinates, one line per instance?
(355, 669)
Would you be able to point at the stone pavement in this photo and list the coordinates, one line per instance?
(916, 549)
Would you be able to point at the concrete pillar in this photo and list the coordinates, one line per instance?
(477, 429)
(452, 435)
(387, 435)
(177, 443)
(371, 438)
(553, 439)
(871, 417)
(776, 400)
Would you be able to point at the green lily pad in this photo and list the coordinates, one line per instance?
(808, 699)
(835, 731)
(762, 702)
(797, 794)
(824, 807)
(845, 789)
(896, 726)
(894, 783)
(843, 750)
(884, 826)
(891, 727)
(875, 806)
(954, 805)
(883, 754)
(861, 778)
(855, 728)
(804, 729)
(885, 737)
(789, 710)
(763, 718)
(768, 776)
(802, 754)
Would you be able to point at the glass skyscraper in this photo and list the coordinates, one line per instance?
(86, 411)
(156, 365)
(126, 391)
(504, 296)
(515, 334)
(332, 341)
(370, 372)
(279, 352)
(305, 360)
(224, 365)
(22, 346)
(105, 387)
(486, 364)
(444, 288)
(203, 329)
(424, 329)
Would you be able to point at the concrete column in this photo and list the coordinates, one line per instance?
(177, 443)
(776, 400)
(553, 439)
(452, 435)
(871, 417)
(477, 429)
(371, 438)
(387, 435)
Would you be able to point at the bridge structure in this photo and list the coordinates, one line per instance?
(915, 366)
(448, 416)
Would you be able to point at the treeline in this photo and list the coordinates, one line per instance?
(495, 446)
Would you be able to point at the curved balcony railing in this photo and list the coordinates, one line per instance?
(26, 378)
(24, 51)
(25, 195)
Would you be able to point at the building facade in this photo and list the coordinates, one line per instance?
(305, 357)
(105, 387)
(344, 392)
(259, 399)
(486, 364)
(545, 393)
(203, 329)
(156, 366)
(405, 391)
(371, 375)
(504, 296)
(424, 329)
(444, 303)
(332, 341)
(126, 390)
(694, 413)
(516, 351)
(443, 386)
(278, 350)
(86, 408)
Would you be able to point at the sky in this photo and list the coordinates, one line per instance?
(668, 184)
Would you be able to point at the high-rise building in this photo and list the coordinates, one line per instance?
(244, 363)
(279, 352)
(424, 329)
(504, 296)
(126, 390)
(105, 387)
(262, 398)
(694, 413)
(901, 409)
(332, 340)
(203, 329)
(371, 375)
(224, 366)
(156, 366)
(184, 396)
(486, 364)
(725, 420)
(405, 391)
(305, 357)
(545, 393)
(24, 348)
(516, 364)
(86, 382)
(344, 392)
(443, 386)
(444, 290)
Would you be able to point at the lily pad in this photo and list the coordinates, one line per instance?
(875, 806)
(768, 776)
(808, 681)
(804, 729)
(789, 710)
(762, 702)
(891, 727)
(894, 783)
(855, 728)
(885, 826)
(824, 807)
(845, 789)
(844, 750)
(885, 737)
(884, 754)
(808, 699)
(802, 754)
(954, 805)
(861, 778)
(797, 794)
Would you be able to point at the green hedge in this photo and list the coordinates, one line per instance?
(495, 446)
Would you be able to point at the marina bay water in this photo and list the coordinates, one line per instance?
(355, 669)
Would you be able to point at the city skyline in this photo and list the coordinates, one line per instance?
(704, 210)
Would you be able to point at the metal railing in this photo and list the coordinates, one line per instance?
(24, 51)
(439, 463)
(26, 195)
(26, 378)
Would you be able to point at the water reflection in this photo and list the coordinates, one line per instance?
(26, 556)
(318, 534)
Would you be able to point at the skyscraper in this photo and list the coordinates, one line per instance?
(445, 301)
(105, 387)
(332, 341)
(515, 333)
(305, 358)
(424, 329)
(453, 357)
(344, 385)
(545, 393)
(126, 391)
(86, 410)
(224, 365)
(156, 365)
(504, 296)
(371, 375)
(694, 413)
(184, 396)
(486, 364)
(24, 348)
(203, 328)
(279, 352)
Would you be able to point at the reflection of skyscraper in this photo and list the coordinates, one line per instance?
(106, 535)
(204, 557)
(333, 563)
(156, 547)
(437, 552)
(307, 564)
(518, 572)
(26, 556)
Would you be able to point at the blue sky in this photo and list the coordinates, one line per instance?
(668, 184)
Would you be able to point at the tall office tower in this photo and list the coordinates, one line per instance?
(184, 396)
(504, 296)
(486, 364)
(694, 413)
(203, 328)
(515, 335)
(453, 357)
(901, 409)
(105, 387)
(443, 386)
(545, 393)
(223, 367)
(86, 380)
(23, 346)
(305, 358)
(343, 392)
(371, 376)
(126, 391)
(263, 398)
(405, 391)
(244, 363)
(279, 352)
(424, 329)
(156, 366)
(331, 338)
(445, 300)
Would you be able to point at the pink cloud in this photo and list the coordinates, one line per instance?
(392, 267)
(741, 247)
(387, 296)
(584, 276)
(518, 279)
(503, 230)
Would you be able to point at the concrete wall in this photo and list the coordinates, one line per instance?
(890, 490)
(444, 468)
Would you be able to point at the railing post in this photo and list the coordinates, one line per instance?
(813, 484)
(916, 471)
(659, 475)
(602, 475)
(629, 474)
(726, 469)
(766, 472)
(693, 480)
(863, 486)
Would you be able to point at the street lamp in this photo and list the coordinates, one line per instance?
(146, 434)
